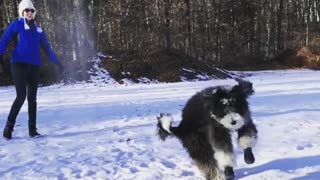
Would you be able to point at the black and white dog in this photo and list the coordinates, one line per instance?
(208, 119)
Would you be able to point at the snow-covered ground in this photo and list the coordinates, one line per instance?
(95, 131)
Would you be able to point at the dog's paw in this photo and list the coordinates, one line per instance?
(229, 173)
(248, 156)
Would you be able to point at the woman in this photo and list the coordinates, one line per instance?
(25, 64)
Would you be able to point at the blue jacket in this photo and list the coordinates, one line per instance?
(27, 49)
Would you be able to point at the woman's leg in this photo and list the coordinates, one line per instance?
(32, 88)
(18, 73)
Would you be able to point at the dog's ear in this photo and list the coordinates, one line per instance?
(210, 96)
(243, 88)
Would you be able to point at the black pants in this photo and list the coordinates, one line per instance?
(25, 78)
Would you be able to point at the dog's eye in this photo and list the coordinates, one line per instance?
(226, 101)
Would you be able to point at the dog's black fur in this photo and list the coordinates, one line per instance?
(208, 119)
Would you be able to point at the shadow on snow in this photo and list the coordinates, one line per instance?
(284, 165)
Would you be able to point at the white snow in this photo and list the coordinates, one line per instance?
(94, 131)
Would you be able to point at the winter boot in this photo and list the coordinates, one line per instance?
(248, 156)
(33, 131)
(7, 132)
(229, 173)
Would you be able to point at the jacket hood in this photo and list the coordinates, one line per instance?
(26, 4)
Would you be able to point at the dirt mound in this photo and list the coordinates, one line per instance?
(288, 58)
(164, 65)
(310, 60)
(299, 58)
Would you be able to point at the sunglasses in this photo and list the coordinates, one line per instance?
(29, 10)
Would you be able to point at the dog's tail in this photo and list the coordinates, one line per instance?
(164, 126)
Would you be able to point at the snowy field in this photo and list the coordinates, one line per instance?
(108, 132)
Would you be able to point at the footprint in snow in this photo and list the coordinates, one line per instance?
(304, 146)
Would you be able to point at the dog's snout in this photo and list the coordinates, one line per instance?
(233, 122)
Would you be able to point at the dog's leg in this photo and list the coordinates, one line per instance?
(210, 171)
(226, 162)
(247, 138)
(202, 154)
(221, 143)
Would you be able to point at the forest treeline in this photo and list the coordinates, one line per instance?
(215, 31)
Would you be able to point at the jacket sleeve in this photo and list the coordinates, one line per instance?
(7, 37)
(48, 49)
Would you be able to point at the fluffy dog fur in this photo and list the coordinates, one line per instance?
(208, 119)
